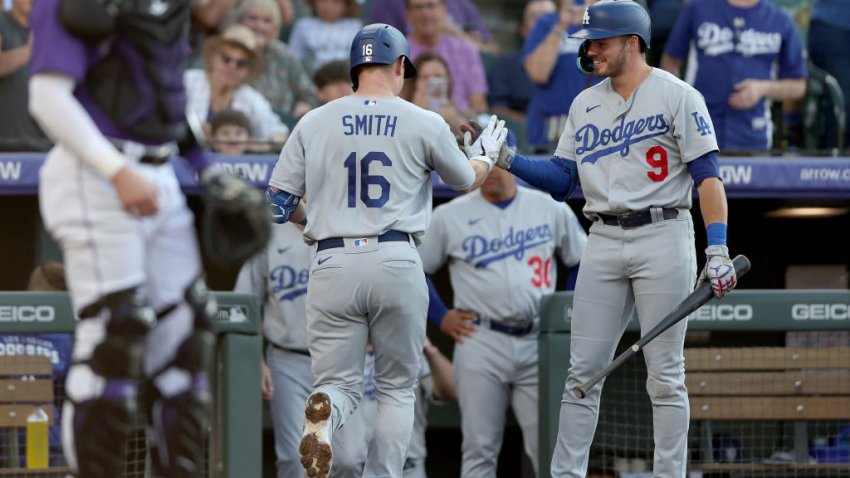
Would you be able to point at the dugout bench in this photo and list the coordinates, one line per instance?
(766, 390)
(235, 440)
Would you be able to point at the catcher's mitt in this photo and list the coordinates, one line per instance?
(237, 223)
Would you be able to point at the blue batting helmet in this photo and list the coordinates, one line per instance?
(613, 18)
(379, 44)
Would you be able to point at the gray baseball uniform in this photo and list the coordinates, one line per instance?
(506, 251)
(365, 165)
(280, 274)
(631, 156)
(414, 465)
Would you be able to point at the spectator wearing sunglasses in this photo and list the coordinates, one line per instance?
(229, 64)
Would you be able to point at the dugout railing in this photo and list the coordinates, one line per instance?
(234, 449)
(742, 431)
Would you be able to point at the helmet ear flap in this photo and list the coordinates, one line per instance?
(583, 62)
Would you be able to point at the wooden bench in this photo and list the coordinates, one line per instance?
(768, 383)
(25, 383)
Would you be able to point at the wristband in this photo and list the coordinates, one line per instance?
(716, 232)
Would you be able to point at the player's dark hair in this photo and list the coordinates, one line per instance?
(49, 276)
(331, 72)
(230, 117)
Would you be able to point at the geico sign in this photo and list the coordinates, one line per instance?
(729, 312)
(820, 312)
(27, 313)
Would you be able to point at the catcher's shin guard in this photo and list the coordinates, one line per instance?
(179, 422)
(102, 389)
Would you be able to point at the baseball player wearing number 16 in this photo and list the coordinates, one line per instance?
(365, 160)
(638, 141)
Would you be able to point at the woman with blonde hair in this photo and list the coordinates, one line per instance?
(281, 77)
(229, 63)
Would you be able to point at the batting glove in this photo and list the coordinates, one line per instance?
(471, 133)
(718, 271)
(489, 143)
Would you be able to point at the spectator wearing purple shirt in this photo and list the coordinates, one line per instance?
(464, 21)
(469, 86)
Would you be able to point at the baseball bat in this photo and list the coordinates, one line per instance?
(694, 301)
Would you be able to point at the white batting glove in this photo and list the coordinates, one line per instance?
(489, 142)
(719, 271)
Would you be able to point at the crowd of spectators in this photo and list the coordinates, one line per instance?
(266, 59)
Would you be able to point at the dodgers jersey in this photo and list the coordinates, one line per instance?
(279, 274)
(506, 253)
(370, 170)
(632, 154)
(724, 45)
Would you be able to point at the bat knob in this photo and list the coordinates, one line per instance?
(579, 392)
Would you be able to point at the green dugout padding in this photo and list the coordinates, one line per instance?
(236, 438)
(742, 310)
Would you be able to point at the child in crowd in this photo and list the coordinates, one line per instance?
(332, 81)
(231, 132)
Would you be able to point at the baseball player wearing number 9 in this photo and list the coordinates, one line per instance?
(637, 142)
(365, 160)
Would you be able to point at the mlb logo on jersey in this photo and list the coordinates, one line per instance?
(370, 103)
(361, 242)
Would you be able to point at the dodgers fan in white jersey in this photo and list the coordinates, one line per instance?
(638, 142)
(365, 160)
(501, 239)
(279, 274)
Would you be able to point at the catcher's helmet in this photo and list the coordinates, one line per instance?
(379, 44)
(612, 18)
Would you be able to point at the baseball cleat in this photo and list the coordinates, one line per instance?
(315, 449)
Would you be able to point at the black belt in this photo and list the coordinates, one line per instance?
(505, 328)
(287, 349)
(153, 155)
(154, 160)
(631, 220)
(389, 236)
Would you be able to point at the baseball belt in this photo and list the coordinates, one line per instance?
(156, 155)
(631, 220)
(389, 236)
(496, 326)
(290, 349)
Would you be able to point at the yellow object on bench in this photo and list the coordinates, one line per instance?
(25, 386)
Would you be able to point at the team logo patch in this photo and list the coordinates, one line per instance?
(370, 102)
(361, 242)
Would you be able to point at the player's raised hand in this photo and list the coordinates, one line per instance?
(489, 143)
(138, 196)
(457, 324)
(719, 271)
(469, 133)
